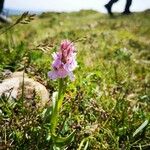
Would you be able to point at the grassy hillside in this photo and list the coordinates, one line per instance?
(110, 97)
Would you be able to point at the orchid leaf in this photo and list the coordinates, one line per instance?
(54, 99)
(63, 141)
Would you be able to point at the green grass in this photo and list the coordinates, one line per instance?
(110, 97)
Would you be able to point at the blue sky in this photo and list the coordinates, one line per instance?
(72, 5)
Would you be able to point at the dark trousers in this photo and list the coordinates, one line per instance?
(127, 7)
(1, 5)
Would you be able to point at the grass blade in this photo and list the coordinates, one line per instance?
(141, 127)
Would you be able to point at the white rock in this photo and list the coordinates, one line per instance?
(32, 90)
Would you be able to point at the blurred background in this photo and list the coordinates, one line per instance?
(18, 6)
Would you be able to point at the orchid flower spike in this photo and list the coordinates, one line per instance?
(64, 61)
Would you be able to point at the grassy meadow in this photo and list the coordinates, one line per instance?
(108, 104)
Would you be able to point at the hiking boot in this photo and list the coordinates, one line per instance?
(108, 7)
(5, 19)
(126, 13)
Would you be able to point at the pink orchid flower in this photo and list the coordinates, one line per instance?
(64, 61)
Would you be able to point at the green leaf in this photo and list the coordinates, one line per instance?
(63, 141)
(46, 114)
(54, 99)
(82, 144)
(140, 128)
(86, 146)
(48, 137)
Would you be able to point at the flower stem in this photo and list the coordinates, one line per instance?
(58, 104)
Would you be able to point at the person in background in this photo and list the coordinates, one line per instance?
(127, 11)
(3, 17)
